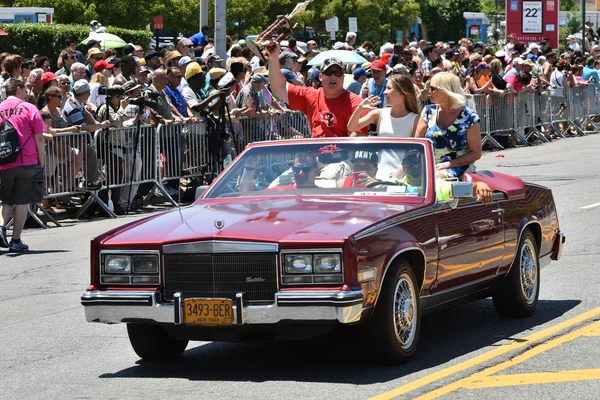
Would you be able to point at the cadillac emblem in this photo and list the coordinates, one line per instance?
(219, 224)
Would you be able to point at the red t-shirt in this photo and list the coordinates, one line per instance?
(28, 122)
(512, 79)
(327, 117)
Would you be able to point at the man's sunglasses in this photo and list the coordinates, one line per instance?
(338, 73)
(65, 83)
(306, 169)
(189, 45)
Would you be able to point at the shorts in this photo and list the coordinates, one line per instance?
(22, 185)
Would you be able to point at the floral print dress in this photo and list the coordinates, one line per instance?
(450, 143)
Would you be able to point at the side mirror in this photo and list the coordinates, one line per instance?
(200, 191)
(461, 190)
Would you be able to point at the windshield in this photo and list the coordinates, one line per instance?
(358, 169)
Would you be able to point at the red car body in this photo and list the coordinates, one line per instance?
(456, 253)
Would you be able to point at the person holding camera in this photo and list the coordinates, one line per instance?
(117, 103)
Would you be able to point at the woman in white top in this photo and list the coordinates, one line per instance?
(399, 119)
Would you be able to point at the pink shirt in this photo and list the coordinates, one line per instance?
(28, 121)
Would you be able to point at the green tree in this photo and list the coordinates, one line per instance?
(443, 19)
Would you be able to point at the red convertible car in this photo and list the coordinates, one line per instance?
(296, 237)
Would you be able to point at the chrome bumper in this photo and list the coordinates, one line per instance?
(113, 307)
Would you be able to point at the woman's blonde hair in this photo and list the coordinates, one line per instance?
(98, 77)
(496, 67)
(405, 86)
(450, 85)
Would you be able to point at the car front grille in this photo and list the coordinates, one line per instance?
(222, 276)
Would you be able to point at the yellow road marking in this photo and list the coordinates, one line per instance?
(535, 378)
(482, 358)
(463, 383)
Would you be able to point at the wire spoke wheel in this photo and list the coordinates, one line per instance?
(528, 271)
(405, 309)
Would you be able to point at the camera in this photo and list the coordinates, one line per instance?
(146, 100)
(114, 91)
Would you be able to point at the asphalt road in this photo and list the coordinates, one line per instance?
(47, 350)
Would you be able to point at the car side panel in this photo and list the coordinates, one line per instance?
(379, 249)
(537, 207)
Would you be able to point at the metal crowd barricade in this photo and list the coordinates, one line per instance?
(291, 125)
(578, 104)
(66, 166)
(525, 126)
(127, 166)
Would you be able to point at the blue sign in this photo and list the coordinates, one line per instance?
(514, 5)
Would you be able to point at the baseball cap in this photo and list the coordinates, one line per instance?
(451, 53)
(213, 58)
(130, 86)
(378, 65)
(258, 78)
(192, 69)
(518, 61)
(226, 80)
(144, 69)
(358, 72)
(151, 54)
(81, 86)
(285, 55)
(400, 69)
(93, 42)
(314, 77)
(330, 62)
(47, 77)
(102, 65)
(483, 65)
(92, 52)
(339, 46)
(533, 46)
(183, 61)
(500, 54)
(365, 155)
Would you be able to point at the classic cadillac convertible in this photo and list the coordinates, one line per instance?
(297, 237)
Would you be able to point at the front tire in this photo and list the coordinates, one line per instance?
(152, 342)
(396, 322)
(517, 295)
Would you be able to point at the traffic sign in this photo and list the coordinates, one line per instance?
(332, 24)
(158, 22)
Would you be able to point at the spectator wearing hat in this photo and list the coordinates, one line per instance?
(375, 86)
(515, 67)
(288, 60)
(182, 64)
(329, 108)
(534, 50)
(360, 77)
(76, 114)
(172, 59)
(253, 90)
(129, 67)
(93, 56)
(152, 59)
(143, 77)
(48, 80)
(100, 78)
(195, 97)
(572, 43)
(315, 80)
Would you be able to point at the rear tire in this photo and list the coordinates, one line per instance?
(152, 342)
(394, 327)
(517, 295)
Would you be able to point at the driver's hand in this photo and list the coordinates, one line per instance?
(364, 179)
(483, 192)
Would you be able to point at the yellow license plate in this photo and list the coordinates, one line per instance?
(207, 311)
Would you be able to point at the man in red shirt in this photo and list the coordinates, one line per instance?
(328, 108)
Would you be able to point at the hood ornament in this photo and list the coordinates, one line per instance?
(219, 224)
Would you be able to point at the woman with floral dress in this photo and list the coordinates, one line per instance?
(452, 126)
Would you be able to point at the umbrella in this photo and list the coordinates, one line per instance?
(107, 40)
(345, 56)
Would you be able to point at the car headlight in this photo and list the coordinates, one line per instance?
(145, 264)
(117, 264)
(298, 263)
(327, 263)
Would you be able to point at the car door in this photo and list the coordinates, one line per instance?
(470, 243)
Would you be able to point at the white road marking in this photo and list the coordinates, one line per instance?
(590, 206)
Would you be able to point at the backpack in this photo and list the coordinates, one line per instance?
(10, 148)
(9, 143)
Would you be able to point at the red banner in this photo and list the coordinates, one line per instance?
(158, 22)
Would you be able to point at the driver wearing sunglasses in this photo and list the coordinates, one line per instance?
(305, 169)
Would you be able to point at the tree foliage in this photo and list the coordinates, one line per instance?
(443, 19)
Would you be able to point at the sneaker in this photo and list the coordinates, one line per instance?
(3, 237)
(17, 246)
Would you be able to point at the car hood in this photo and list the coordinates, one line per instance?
(271, 220)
